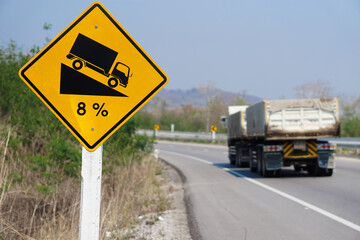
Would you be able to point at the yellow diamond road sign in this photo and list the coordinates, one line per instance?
(93, 76)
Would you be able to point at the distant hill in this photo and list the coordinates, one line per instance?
(198, 97)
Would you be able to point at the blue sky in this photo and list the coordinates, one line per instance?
(265, 48)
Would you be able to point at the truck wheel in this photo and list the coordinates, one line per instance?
(253, 156)
(259, 162)
(238, 155)
(253, 167)
(265, 173)
(259, 168)
(113, 82)
(277, 173)
(297, 168)
(310, 170)
(238, 158)
(77, 64)
(314, 170)
(232, 159)
(244, 164)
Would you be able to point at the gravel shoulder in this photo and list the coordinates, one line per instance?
(171, 224)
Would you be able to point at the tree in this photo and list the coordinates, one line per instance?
(239, 101)
(349, 106)
(318, 89)
(47, 28)
(209, 91)
(350, 116)
(217, 108)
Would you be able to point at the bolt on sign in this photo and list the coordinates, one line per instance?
(93, 76)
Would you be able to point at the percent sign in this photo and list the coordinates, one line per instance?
(104, 112)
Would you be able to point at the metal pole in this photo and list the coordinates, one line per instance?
(90, 194)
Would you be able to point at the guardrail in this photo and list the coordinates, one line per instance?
(182, 135)
(345, 142)
(176, 135)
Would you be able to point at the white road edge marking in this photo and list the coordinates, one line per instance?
(283, 194)
(188, 156)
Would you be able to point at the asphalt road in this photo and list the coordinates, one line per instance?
(225, 202)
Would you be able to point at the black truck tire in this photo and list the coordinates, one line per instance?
(264, 172)
(113, 82)
(77, 64)
(315, 170)
(238, 157)
(253, 166)
(259, 162)
(239, 161)
(232, 159)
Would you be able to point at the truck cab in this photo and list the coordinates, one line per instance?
(119, 75)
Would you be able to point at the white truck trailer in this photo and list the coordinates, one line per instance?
(273, 134)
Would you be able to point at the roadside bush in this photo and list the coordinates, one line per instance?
(350, 127)
(39, 140)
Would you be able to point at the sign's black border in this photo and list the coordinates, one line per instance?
(95, 145)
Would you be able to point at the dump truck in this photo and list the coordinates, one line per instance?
(273, 134)
(89, 53)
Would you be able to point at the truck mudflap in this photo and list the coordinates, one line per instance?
(326, 160)
(269, 163)
(273, 161)
(324, 164)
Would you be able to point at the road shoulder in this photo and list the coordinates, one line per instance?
(168, 225)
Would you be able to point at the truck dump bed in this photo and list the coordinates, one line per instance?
(237, 121)
(299, 119)
(93, 52)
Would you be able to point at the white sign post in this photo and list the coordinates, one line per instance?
(90, 194)
(213, 134)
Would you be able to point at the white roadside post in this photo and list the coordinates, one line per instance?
(213, 132)
(213, 136)
(90, 193)
(156, 129)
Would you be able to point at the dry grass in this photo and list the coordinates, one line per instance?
(27, 214)
(127, 192)
(131, 192)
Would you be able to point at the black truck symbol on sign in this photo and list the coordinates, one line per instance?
(89, 53)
